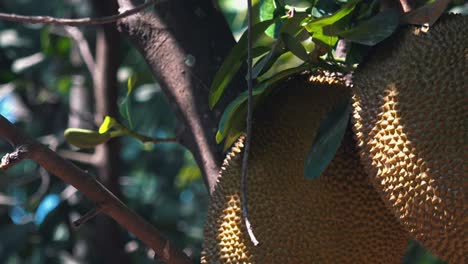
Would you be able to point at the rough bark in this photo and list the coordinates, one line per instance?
(184, 42)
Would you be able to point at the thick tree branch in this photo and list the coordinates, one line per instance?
(184, 59)
(94, 190)
(77, 21)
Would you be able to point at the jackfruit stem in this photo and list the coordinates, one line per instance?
(249, 127)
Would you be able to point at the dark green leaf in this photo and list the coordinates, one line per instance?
(232, 122)
(324, 8)
(233, 62)
(233, 110)
(286, 61)
(293, 26)
(327, 141)
(12, 239)
(374, 30)
(265, 63)
(427, 14)
(356, 53)
(293, 45)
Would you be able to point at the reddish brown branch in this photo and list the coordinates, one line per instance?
(94, 190)
(74, 22)
(406, 5)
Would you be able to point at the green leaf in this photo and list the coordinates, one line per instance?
(13, 238)
(267, 10)
(286, 61)
(233, 110)
(356, 54)
(318, 24)
(316, 27)
(107, 124)
(374, 30)
(293, 45)
(327, 141)
(189, 173)
(232, 121)
(131, 83)
(294, 26)
(265, 63)
(84, 138)
(233, 62)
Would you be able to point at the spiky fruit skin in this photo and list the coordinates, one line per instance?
(337, 218)
(410, 121)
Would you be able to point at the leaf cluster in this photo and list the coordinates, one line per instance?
(293, 37)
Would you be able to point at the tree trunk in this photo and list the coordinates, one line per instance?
(184, 43)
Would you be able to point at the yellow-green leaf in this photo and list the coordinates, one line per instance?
(84, 138)
(107, 124)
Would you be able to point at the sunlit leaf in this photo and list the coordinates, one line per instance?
(374, 30)
(316, 27)
(283, 63)
(233, 62)
(327, 141)
(131, 83)
(267, 10)
(107, 124)
(84, 138)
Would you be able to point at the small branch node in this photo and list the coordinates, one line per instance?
(11, 159)
(88, 216)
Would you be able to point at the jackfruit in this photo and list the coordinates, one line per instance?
(410, 120)
(337, 218)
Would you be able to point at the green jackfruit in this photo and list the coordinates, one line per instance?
(410, 121)
(337, 218)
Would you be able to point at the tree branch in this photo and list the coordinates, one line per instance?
(92, 189)
(184, 61)
(77, 21)
(75, 34)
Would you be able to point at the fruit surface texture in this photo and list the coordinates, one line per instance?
(410, 120)
(337, 218)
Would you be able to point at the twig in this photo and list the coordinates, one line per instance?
(13, 158)
(83, 46)
(249, 127)
(72, 21)
(92, 189)
(88, 216)
(406, 5)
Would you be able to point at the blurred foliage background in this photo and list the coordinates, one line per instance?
(40, 69)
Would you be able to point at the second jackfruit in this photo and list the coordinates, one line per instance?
(410, 116)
